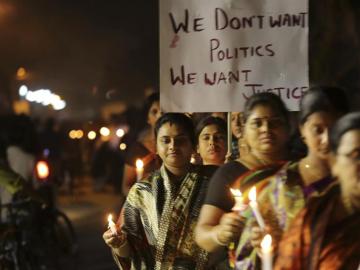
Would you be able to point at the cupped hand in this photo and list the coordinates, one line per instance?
(113, 240)
(229, 229)
(256, 236)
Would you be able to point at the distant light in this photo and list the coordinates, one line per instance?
(73, 134)
(91, 135)
(21, 73)
(59, 105)
(193, 160)
(120, 133)
(23, 90)
(43, 96)
(46, 152)
(79, 134)
(42, 169)
(104, 131)
(122, 146)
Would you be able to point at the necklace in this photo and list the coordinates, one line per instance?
(311, 173)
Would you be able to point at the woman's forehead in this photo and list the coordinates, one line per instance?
(263, 110)
(350, 140)
(173, 128)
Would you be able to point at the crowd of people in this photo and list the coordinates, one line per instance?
(181, 214)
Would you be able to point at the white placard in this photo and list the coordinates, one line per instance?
(215, 54)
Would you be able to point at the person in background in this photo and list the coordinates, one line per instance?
(108, 162)
(266, 131)
(219, 114)
(326, 234)
(210, 134)
(296, 181)
(51, 140)
(156, 226)
(144, 147)
(22, 146)
(238, 146)
(11, 183)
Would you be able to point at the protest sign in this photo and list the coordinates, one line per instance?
(215, 54)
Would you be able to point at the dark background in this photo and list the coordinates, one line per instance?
(87, 51)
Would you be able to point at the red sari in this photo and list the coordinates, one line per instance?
(313, 243)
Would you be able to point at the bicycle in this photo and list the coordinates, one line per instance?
(15, 250)
(37, 237)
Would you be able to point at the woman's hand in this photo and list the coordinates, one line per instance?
(256, 236)
(229, 229)
(114, 240)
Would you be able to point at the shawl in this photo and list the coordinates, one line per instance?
(159, 217)
(279, 202)
(259, 178)
(313, 243)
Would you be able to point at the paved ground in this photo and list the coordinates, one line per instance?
(88, 212)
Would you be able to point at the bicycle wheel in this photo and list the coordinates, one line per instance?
(64, 233)
(65, 240)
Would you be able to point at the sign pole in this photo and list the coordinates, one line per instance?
(229, 134)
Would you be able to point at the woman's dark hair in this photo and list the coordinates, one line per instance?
(179, 119)
(207, 121)
(326, 99)
(149, 102)
(344, 124)
(267, 99)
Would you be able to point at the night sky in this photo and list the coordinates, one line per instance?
(87, 51)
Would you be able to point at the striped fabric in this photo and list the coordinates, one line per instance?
(160, 218)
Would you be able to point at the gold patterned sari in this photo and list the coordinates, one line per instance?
(159, 218)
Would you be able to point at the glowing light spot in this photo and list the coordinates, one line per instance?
(120, 133)
(122, 146)
(42, 169)
(73, 134)
(104, 131)
(23, 90)
(91, 135)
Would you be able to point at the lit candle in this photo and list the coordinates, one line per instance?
(255, 209)
(112, 225)
(139, 169)
(266, 252)
(239, 200)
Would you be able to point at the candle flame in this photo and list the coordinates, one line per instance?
(235, 192)
(110, 218)
(252, 194)
(139, 164)
(266, 242)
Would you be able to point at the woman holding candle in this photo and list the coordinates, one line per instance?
(156, 229)
(144, 147)
(266, 128)
(326, 234)
(210, 133)
(295, 182)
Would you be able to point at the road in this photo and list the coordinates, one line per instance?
(88, 212)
